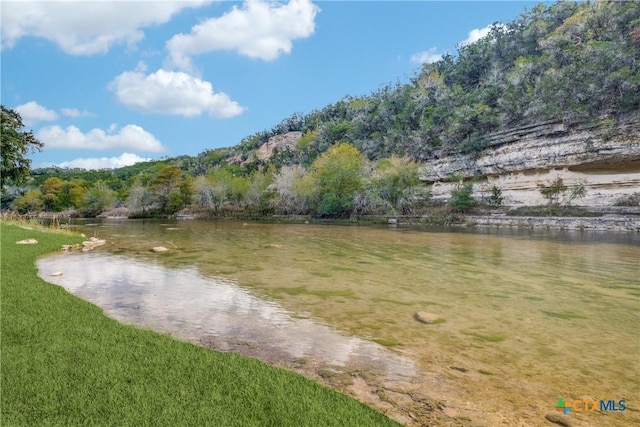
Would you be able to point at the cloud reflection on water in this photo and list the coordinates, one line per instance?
(190, 306)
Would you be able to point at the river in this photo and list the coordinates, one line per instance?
(523, 318)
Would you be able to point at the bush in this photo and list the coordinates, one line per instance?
(496, 196)
(462, 197)
(630, 200)
(554, 191)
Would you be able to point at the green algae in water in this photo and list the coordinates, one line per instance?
(322, 293)
(294, 291)
(392, 301)
(320, 274)
(503, 295)
(498, 337)
(546, 352)
(340, 268)
(387, 342)
(328, 293)
(566, 315)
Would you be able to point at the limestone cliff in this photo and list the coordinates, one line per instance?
(603, 155)
(278, 143)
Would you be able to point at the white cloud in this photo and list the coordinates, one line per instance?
(428, 56)
(74, 112)
(258, 29)
(125, 159)
(130, 137)
(171, 92)
(85, 27)
(475, 35)
(478, 33)
(32, 113)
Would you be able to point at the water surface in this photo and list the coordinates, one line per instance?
(526, 318)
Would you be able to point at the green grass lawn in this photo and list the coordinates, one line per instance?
(63, 362)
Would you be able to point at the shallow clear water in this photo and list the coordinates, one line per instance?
(526, 318)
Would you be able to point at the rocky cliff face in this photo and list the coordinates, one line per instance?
(604, 156)
(278, 143)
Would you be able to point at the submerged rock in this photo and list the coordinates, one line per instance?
(450, 412)
(427, 318)
(558, 418)
(92, 243)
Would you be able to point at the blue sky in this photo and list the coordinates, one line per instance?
(109, 83)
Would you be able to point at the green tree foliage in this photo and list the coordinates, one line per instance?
(165, 187)
(259, 195)
(578, 191)
(554, 191)
(140, 199)
(496, 198)
(292, 192)
(213, 190)
(29, 202)
(558, 193)
(16, 146)
(462, 198)
(54, 195)
(337, 175)
(51, 190)
(97, 199)
(395, 181)
(72, 193)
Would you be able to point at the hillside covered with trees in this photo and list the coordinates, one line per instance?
(568, 61)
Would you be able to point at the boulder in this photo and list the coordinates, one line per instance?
(27, 242)
(92, 243)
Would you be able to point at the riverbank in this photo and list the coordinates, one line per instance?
(618, 223)
(612, 218)
(65, 363)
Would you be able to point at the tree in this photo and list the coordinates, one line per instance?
(577, 192)
(97, 199)
(462, 197)
(496, 196)
(212, 191)
(30, 202)
(166, 188)
(259, 195)
(337, 175)
(396, 180)
(51, 190)
(72, 193)
(16, 145)
(140, 198)
(287, 185)
(238, 189)
(554, 191)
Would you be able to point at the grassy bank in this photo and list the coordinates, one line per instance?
(64, 363)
